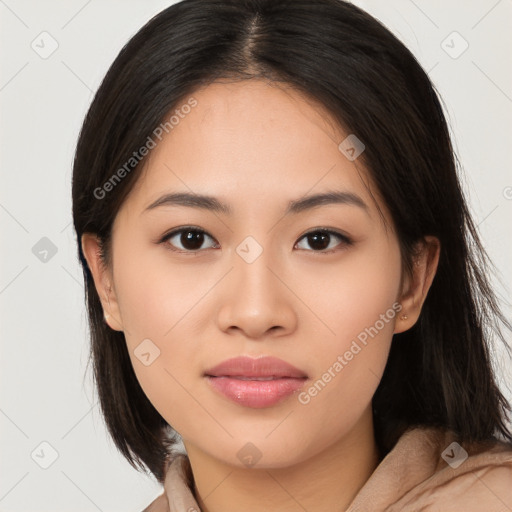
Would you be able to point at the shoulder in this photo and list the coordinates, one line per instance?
(432, 470)
(486, 489)
(471, 478)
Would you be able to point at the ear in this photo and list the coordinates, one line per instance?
(103, 280)
(415, 288)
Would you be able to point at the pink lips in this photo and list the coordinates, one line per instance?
(255, 383)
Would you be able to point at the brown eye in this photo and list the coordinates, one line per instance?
(320, 240)
(191, 239)
(186, 239)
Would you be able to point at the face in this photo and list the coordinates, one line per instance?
(316, 287)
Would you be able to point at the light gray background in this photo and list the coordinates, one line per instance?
(45, 395)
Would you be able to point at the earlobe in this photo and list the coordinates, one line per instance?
(416, 287)
(102, 280)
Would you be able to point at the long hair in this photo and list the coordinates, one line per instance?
(439, 372)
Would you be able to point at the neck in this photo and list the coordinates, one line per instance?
(329, 480)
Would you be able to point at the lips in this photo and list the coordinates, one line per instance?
(262, 368)
(255, 383)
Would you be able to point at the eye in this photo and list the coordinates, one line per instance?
(190, 238)
(320, 239)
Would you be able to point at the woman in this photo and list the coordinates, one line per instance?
(281, 269)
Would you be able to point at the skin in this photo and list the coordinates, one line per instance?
(256, 146)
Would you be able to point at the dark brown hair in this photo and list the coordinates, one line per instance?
(439, 372)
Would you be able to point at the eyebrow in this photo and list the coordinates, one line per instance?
(213, 204)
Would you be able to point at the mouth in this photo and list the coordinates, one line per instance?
(255, 383)
(241, 377)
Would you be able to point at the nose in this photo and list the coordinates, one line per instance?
(257, 300)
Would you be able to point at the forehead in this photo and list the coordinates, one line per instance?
(247, 141)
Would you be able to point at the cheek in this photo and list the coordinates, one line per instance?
(159, 305)
(154, 294)
(351, 294)
(359, 306)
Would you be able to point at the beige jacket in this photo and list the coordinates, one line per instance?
(424, 472)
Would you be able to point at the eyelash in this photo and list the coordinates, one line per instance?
(344, 239)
